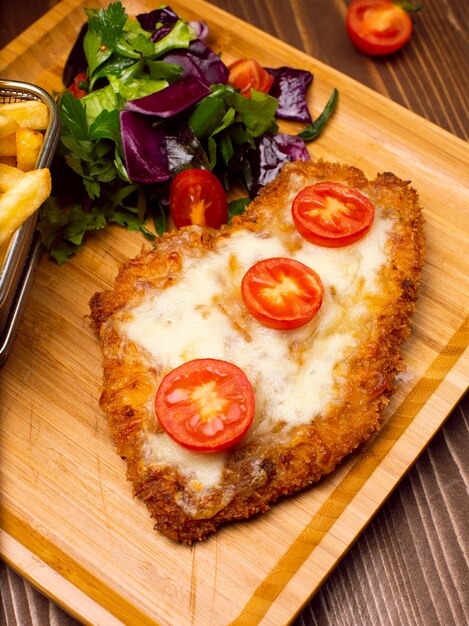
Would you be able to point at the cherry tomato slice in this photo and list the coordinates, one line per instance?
(197, 197)
(75, 88)
(378, 27)
(282, 293)
(205, 405)
(247, 74)
(332, 215)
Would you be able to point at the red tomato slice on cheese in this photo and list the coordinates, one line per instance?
(247, 74)
(332, 215)
(197, 197)
(282, 293)
(378, 27)
(205, 405)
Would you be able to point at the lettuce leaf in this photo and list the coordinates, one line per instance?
(257, 113)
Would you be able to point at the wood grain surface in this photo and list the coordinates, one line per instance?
(410, 565)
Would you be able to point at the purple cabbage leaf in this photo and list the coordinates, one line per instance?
(144, 147)
(164, 16)
(200, 62)
(273, 151)
(171, 100)
(200, 29)
(289, 87)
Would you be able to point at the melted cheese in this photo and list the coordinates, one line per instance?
(161, 449)
(202, 316)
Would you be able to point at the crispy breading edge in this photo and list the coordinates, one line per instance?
(312, 451)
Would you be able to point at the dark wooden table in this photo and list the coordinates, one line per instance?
(410, 566)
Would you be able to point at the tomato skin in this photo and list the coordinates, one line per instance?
(205, 405)
(332, 215)
(197, 197)
(247, 74)
(75, 88)
(378, 27)
(282, 293)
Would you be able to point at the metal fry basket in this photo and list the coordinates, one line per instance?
(19, 256)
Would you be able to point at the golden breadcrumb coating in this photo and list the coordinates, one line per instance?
(285, 461)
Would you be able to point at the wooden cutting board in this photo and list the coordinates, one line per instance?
(68, 521)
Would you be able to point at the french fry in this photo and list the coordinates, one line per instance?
(9, 177)
(28, 114)
(28, 145)
(20, 201)
(8, 160)
(8, 145)
(22, 188)
(8, 125)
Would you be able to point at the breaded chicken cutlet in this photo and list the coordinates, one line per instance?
(320, 389)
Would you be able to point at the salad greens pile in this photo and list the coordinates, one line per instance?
(149, 100)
